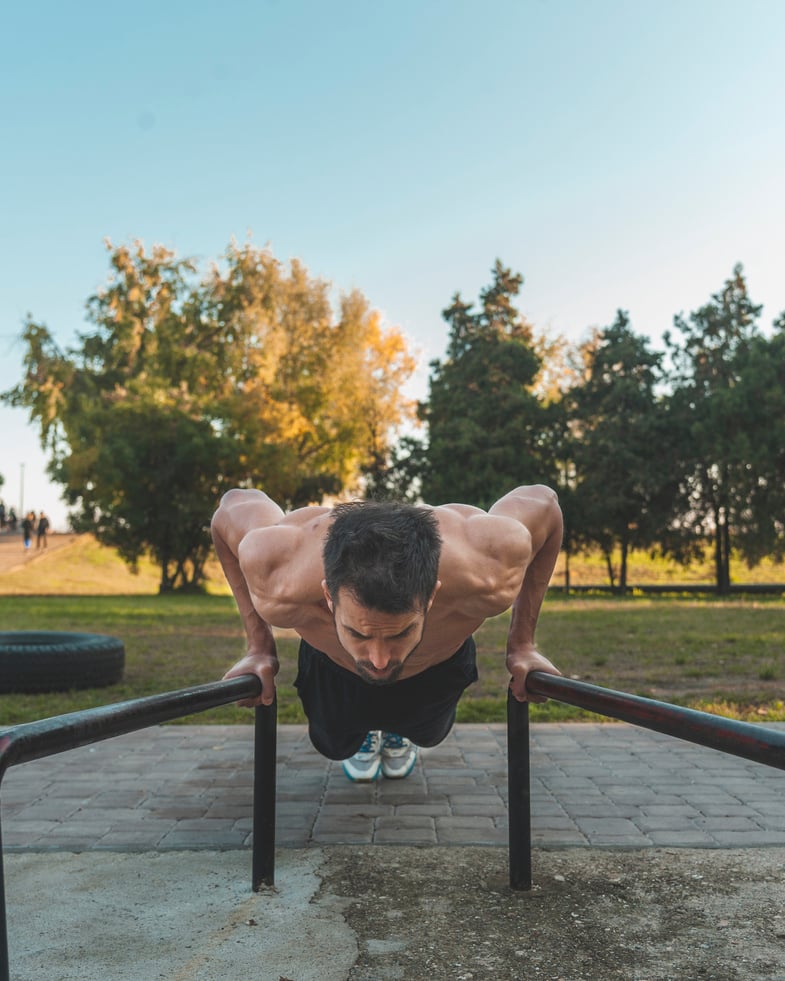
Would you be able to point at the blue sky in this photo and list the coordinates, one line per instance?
(617, 154)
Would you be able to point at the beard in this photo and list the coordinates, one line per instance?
(369, 674)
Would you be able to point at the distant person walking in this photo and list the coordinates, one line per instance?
(2, 515)
(28, 526)
(12, 520)
(43, 528)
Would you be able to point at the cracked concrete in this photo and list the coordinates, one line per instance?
(399, 913)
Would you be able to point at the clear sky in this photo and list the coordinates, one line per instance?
(617, 154)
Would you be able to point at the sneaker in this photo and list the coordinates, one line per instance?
(365, 764)
(398, 756)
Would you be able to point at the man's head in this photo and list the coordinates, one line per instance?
(381, 563)
(385, 553)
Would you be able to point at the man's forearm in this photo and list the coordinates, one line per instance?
(522, 653)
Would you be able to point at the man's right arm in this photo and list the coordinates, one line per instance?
(240, 512)
(537, 509)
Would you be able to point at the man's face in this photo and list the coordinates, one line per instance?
(379, 643)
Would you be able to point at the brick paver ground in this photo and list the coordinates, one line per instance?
(189, 787)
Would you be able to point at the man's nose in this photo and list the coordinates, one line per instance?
(379, 656)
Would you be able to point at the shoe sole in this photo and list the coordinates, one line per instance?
(398, 774)
(365, 778)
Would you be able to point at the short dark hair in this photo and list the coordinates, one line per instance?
(385, 553)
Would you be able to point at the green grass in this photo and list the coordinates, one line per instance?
(170, 642)
(722, 656)
(725, 656)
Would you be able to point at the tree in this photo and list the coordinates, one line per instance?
(486, 425)
(398, 473)
(623, 483)
(310, 398)
(185, 387)
(160, 467)
(758, 401)
(716, 424)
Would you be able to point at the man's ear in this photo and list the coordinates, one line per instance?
(436, 589)
(327, 596)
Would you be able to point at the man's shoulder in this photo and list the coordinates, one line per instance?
(473, 530)
(286, 540)
(483, 560)
(298, 527)
(282, 562)
(464, 511)
(314, 517)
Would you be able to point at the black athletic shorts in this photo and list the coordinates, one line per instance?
(342, 708)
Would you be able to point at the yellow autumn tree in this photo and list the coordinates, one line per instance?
(252, 375)
(311, 391)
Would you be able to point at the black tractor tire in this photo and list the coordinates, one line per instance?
(50, 660)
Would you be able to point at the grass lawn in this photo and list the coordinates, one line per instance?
(725, 656)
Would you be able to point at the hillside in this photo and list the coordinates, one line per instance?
(78, 565)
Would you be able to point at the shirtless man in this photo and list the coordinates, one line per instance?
(386, 597)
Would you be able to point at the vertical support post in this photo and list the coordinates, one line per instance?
(519, 793)
(4, 962)
(265, 749)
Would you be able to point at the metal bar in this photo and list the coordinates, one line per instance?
(34, 740)
(4, 963)
(752, 742)
(519, 790)
(265, 750)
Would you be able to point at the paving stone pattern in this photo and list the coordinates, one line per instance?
(190, 787)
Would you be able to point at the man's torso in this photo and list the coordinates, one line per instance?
(480, 577)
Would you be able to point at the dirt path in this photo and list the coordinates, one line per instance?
(13, 554)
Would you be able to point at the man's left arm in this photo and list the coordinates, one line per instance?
(537, 509)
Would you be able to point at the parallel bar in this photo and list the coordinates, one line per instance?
(5, 970)
(265, 750)
(519, 790)
(34, 740)
(752, 742)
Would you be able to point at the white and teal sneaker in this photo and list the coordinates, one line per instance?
(398, 756)
(364, 766)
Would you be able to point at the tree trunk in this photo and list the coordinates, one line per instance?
(165, 586)
(623, 568)
(611, 573)
(726, 555)
(721, 550)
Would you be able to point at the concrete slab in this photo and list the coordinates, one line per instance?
(388, 913)
(129, 860)
(171, 915)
